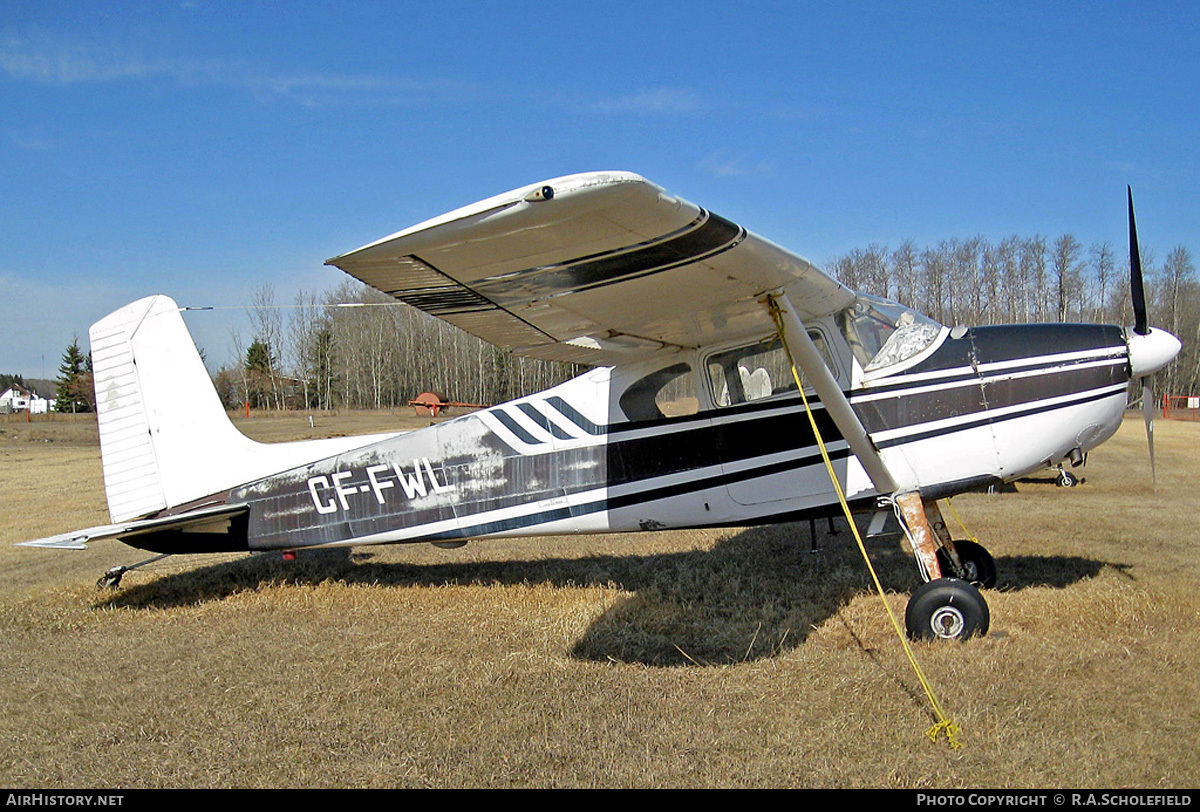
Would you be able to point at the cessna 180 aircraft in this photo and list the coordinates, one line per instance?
(690, 415)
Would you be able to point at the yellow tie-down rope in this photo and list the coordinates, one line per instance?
(958, 519)
(944, 724)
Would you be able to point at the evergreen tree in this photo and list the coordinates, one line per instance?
(74, 382)
(260, 374)
(7, 381)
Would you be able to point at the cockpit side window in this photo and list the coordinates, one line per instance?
(669, 392)
(757, 371)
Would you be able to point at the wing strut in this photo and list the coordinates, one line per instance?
(805, 353)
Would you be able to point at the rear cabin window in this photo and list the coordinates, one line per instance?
(669, 392)
(758, 371)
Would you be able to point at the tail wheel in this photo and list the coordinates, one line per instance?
(946, 609)
(978, 566)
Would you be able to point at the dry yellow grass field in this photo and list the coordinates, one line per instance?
(724, 658)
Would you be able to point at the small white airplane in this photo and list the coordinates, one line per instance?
(690, 416)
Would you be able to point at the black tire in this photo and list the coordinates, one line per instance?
(979, 568)
(946, 609)
(1067, 480)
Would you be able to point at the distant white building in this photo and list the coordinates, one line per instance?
(19, 399)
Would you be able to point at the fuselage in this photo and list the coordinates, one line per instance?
(676, 442)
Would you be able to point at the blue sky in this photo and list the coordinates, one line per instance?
(203, 149)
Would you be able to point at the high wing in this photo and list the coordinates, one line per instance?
(596, 268)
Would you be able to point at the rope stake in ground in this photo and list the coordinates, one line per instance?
(944, 724)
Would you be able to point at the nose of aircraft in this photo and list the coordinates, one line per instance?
(1150, 352)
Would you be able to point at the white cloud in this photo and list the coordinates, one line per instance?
(52, 60)
(656, 101)
(29, 141)
(725, 166)
(55, 60)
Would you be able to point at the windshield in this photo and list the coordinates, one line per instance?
(882, 333)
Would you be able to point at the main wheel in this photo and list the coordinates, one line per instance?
(946, 609)
(979, 568)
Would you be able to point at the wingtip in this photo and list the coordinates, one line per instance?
(66, 541)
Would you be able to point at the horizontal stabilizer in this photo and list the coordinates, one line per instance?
(211, 520)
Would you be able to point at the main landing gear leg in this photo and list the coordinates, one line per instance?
(961, 558)
(942, 608)
(920, 534)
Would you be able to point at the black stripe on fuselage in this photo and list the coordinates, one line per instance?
(630, 458)
(680, 422)
(512, 425)
(639, 497)
(571, 413)
(1011, 342)
(925, 405)
(1014, 342)
(953, 376)
(530, 411)
(1019, 347)
(990, 420)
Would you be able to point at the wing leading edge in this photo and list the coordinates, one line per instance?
(594, 268)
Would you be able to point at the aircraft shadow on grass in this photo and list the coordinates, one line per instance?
(755, 594)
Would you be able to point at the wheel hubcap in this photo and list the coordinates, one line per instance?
(947, 622)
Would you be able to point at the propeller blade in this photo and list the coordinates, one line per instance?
(1148, 408)
(1137, 292)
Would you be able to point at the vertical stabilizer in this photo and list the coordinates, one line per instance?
(165, 438)
(131, 476)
